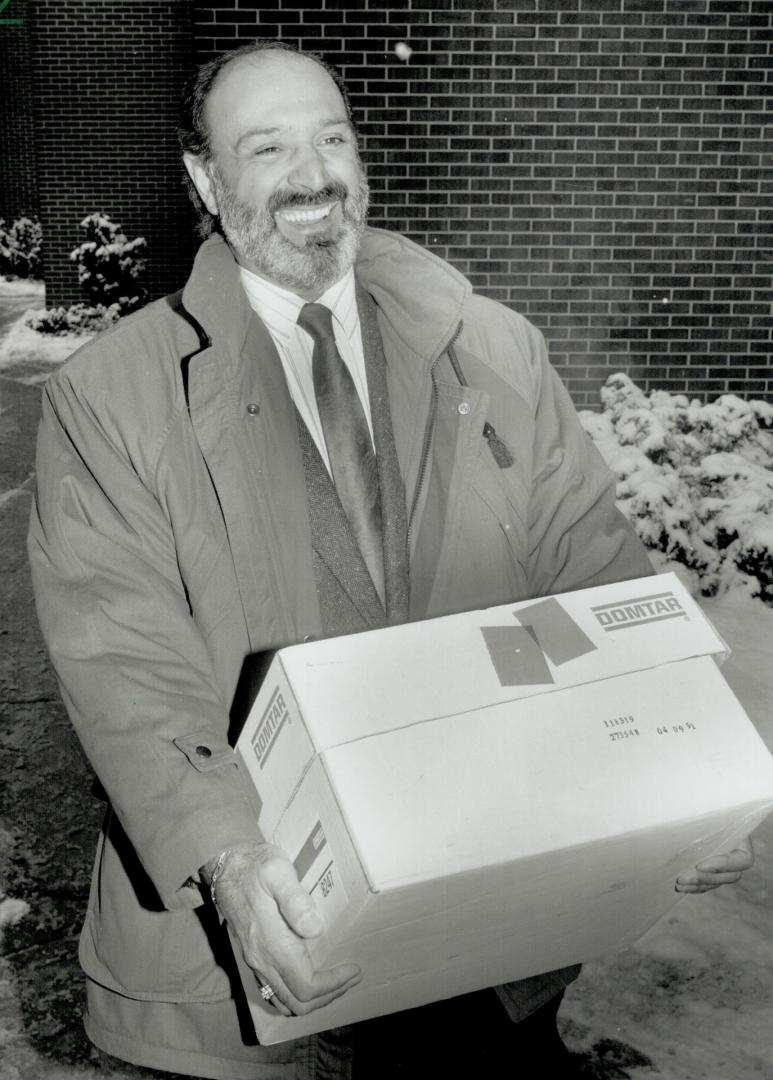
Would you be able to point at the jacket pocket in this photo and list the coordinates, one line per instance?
(503, 500)
(497, 537)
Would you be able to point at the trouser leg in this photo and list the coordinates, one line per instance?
(464, 1038)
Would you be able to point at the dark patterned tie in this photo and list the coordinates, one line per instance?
(352, 460)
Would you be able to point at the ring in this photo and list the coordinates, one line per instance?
(266, 992)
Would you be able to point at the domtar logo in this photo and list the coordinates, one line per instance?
(640, 609)
(271, 723)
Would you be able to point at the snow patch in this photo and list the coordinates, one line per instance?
(28, 356)
(12, 911)
(21, 287)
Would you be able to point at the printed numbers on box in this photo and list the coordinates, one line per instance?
(619, 721)
(326, 882)
(677, 729)
(629, 733)
(622, 726)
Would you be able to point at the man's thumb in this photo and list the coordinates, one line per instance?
(297, 907)
(302, 916)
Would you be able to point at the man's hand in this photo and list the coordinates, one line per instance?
(717, 870)
(271, 915)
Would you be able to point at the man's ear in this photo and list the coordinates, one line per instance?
(199, 174)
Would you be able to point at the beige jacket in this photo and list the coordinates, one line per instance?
(170, 539)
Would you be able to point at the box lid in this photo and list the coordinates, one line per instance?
(352, 687)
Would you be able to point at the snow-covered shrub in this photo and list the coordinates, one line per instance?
(20, 246)
(694, 479)
(108, 270)
(76, 319)
(109, 264)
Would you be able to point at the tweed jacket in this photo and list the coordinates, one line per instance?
(170, 539)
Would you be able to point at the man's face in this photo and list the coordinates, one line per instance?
(285, 176)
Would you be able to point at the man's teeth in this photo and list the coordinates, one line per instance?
(303, 217)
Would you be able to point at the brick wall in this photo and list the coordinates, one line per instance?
(18, 176)
(107, 80)
(598, 165)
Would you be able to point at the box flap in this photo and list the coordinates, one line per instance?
(356, 686)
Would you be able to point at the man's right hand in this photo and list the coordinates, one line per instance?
(271, 915)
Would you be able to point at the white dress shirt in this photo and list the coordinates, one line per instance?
(279, 309)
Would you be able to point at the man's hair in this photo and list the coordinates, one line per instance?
(193, 133)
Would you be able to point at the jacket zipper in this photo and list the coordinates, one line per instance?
(429, 431)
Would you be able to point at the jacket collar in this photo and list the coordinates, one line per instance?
(420, 295)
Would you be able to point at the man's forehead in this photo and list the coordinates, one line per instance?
(271, 82)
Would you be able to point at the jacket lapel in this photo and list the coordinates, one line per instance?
(255, 462)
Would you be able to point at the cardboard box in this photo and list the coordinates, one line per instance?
(482, 797)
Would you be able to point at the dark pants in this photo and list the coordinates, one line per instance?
(468, 1037)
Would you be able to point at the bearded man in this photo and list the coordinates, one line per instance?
(194, 507)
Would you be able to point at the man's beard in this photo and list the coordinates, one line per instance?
(259, 245)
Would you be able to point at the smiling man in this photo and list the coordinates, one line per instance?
(325, 432)
(288, 190)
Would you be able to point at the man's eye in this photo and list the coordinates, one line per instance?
(335, 140)
(264, 151)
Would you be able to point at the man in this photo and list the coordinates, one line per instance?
(194, 507)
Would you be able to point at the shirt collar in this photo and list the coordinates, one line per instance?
(279, 308)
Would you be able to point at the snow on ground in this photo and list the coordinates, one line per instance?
(25, 355)
(21, 287)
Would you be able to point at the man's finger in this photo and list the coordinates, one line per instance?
(739, 859)
(281, 956)
(307, 986)
(273, 998)
(295, 904)
(298, 910)
(316, 995)
(704, 882)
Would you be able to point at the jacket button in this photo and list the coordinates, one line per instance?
(203, 751)
(253, 409)
(463, 408)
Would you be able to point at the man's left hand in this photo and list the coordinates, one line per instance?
(717, 870)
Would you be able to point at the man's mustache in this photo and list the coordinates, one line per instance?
(287, 200)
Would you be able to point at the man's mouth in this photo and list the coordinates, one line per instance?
(305, 215)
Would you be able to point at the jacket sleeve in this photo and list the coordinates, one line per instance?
(133, 669)
(577, 536)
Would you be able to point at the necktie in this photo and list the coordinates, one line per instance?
(347, 438)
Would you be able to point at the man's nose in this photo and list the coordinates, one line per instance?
(308, 169)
